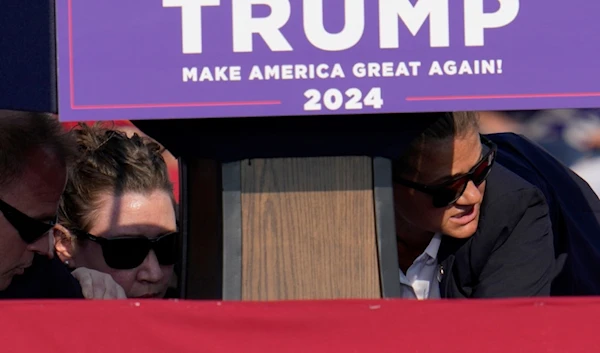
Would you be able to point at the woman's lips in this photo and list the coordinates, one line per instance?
(465, 217)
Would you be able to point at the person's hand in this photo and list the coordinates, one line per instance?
(98, 285)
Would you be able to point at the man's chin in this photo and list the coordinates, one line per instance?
(463, 232)
(5, 281)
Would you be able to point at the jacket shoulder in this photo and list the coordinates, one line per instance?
(502, 181)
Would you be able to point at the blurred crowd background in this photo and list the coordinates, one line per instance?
(571, 135)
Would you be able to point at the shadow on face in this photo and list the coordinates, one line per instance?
(433, 164)
(35, 193)
(131, 214)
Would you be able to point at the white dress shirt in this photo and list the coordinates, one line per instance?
(421, 279)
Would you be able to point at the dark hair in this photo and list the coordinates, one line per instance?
(111, 163)
(446, 125)
(24, 132)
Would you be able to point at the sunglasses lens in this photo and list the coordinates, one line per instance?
(30, 229)
(124, 254)
(31, 236)
(166, 249)
(482, 172)
(449, 193)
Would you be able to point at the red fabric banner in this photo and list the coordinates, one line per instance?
(377, 326)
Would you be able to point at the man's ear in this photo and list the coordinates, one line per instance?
(64, 245)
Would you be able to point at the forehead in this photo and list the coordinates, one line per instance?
(37, 190)
(448, 157)
(132, 213)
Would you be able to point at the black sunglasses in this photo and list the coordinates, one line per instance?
(450, 191)
(30, 229)
(128, 252)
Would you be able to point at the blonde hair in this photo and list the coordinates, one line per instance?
(109, 162)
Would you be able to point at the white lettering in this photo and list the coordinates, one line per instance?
(373, 69)
(244, 25)
(287, 72)
(358, 70)
(402, 70)
(477, 71)
(297, 71)
(435, 69)
(272, 72)
(476, 21)
(415, 65)
(206, 75)
(191, 22)
(235, 73)
(256, 73)
(190, 74)
(321, 71)
(354, 25)
(488, 67)
(337, 71)
(412, 13)
(333, 99)
(217, 73)
(450, 67)
(220, 73)
(465, 68)
(414, 17)
(301, 71)
(387, 69)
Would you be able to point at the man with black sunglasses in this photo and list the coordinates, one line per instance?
(34, 154)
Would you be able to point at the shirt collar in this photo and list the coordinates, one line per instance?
(434, 246)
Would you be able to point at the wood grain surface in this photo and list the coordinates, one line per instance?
(308, 229)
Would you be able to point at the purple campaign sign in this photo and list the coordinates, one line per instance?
(149, 59)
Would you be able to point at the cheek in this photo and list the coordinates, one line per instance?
(167, 273)
(417, 209)
(90, 255)
(13, 251)
(481, 189)
(125, 278)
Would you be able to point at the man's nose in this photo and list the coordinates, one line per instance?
(471, 196)
(43, 246)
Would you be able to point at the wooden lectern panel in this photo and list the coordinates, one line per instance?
(308, 229)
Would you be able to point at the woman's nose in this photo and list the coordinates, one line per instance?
(149, 270)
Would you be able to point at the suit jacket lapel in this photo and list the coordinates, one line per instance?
(446, 258)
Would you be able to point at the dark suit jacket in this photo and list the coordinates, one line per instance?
(574, 211)
(45, 279)
(512, 252)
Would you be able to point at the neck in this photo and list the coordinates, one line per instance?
(411, 243)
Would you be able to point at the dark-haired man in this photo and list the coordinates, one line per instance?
(34, 155)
